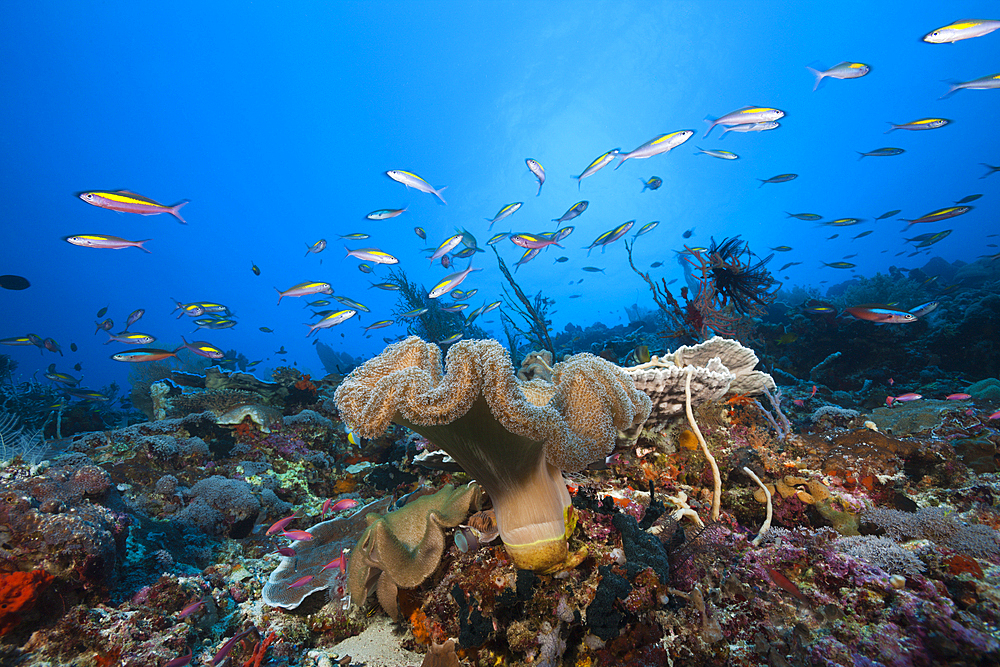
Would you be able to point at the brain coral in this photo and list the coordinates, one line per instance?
(515, 447)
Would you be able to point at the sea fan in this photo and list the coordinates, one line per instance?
(16, 441)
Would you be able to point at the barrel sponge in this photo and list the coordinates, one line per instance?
(514, 438)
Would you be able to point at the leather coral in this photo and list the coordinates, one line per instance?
(512, 437)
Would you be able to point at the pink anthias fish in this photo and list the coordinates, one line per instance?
(995, 415)
(339, 506)
(191, 608)
(902, 398)
(533, 241)
(286, 551)
(957, 397)
(340, 562)
(181, 660)
(302, 581)
(281, 524)
(228, 646)
(297, 535)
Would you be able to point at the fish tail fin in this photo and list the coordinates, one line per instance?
(539, 190)
(891, 128)
(955, 87)
(762, 182)
(709, 119)
(819, 77)
(861, 155)
(279, 295)
(175, 210)
(138, 244)
(621, 160)
(438, 193)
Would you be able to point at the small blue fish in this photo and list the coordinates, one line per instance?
(653, 183)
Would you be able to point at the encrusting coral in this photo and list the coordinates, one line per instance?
(402, 548)
(515, 445)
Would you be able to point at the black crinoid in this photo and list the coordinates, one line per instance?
(728, 269)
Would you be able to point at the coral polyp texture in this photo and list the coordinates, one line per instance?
(478, 413)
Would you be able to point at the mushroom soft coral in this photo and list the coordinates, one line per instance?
(514, 438)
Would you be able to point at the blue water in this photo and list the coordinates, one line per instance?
(279, 120)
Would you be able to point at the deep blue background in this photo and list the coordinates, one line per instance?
(278, 121)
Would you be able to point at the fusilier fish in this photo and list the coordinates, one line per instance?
(940, 214)
(752, 127)
(748, 115)
(386, 213)
(889, 214)
(105, 241)
(780, 178)
(653, 183)
(125, 201)
(536, 168)
(506, 211)
(203, 349)
(722, 155)
(411, 180)
(352, 304)
(839, 265)
(655, 146)
(574, 210)
(598, 164)
(811, 217)
(988, 82)
(303, 289)
(881, 152)
(933, 239)
(924, 308)
(133, 317)
(844, 70)
(331, 320)
(130, 338)
(961, 29)
(611, 236)
(964, 200)
(450, 282)
(447, 246)
(922, 124)
(371, 255)
(647, 228)
(381, 324)
(317, 247)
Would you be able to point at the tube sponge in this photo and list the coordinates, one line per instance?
(514, 438)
